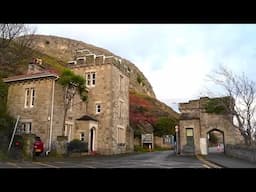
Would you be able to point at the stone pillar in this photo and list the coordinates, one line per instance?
(28, 144)
(129, 139)
(61, 145)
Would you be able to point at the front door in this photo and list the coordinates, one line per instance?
(91, 140)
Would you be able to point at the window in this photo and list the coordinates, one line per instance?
(82, 136)
(121, 82)
(30, 94)
(26, 127)
(93, 78)
(120, 135)
(26, 98)
(32, 97)
(120, 108)
(80, 61)
(190, 136)
(68, 131)
(98, 108)
(166, 139)
(90, 79)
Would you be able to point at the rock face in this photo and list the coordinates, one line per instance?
(64, 49)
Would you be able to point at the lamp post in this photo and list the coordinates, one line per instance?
(177, 138)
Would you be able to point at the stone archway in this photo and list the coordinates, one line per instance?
(195, 116)
(215, 141)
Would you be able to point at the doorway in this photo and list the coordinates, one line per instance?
(92, 139)
(215, 141)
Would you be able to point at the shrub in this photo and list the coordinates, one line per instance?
(138, 148)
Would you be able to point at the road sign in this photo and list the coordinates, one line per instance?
(147, 138)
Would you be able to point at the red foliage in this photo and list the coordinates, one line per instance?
(140, 101)
(145, 114)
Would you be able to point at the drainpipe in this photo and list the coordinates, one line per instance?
(51, 122)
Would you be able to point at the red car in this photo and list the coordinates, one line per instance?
(38, 146)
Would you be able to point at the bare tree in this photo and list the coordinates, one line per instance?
(22, 35)
(8, 32)
(25, 38)
(242, 104)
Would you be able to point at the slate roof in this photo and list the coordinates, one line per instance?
(46, 73)
(87, 118)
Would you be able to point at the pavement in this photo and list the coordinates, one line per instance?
(224, 161)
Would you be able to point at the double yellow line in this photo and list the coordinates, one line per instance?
(207, 164)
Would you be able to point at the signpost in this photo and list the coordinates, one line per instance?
(177, 138)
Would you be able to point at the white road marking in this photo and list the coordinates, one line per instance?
(13, 164)
(206, 166)
(44, 164)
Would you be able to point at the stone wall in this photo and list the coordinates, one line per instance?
(61, 145)
(58, 113)
(129, 139)
(159, 142)
(28, 145)
(120, 106)
(241, 152)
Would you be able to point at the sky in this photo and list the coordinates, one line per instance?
(175, 58)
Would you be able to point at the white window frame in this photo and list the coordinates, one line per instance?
(26, 104)
(82, 136)
(32, 97)
(90, 79)
(98, 108)
(26, 127)
(68, 130)
(93, 78)
(120, 135)
(121, 102)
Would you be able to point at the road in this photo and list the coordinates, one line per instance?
(163, 159)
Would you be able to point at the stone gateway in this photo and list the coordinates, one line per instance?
(196, 128)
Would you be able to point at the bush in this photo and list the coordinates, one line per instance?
(138, 148)
(3, 155)
(77, 146)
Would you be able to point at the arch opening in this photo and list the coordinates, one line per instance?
(215, 141)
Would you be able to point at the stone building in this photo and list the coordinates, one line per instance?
(195, 125)
(102, 122)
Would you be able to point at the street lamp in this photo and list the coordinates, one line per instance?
(177, 138)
